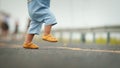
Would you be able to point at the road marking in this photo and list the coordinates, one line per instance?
(70, 48)
(16, 46)
(93, 50)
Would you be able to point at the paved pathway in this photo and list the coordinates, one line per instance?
(58, 55)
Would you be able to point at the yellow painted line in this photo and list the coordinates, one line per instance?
(92, 50)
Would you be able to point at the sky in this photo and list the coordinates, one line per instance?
(69, 13)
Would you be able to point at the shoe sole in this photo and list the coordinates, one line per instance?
(49, 41)
(30, 48)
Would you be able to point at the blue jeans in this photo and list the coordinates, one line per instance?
(39, 11)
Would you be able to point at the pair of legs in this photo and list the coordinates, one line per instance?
(5, 30)
(39, 11)
(47, 37)
(5, 34)
(47, 30)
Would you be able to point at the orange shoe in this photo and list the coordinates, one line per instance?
(49, 38)
(30, 46)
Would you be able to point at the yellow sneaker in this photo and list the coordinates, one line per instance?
(49, 38)
(30, 46)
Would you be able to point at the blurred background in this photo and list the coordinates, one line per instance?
(86, 21)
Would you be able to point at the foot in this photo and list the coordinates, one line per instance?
(49, 38)
(30, 46)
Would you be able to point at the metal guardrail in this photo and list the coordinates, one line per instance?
(83, 31)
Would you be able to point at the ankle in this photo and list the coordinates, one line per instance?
(45, 34)
(27, 42)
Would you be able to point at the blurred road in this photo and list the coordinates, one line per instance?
(58, 55)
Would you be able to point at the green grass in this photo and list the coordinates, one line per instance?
(101, 40)
(114, 41)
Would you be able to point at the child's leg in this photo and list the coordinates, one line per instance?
(29, 38)
(47, 34)
(34, 29)
(47, 29)
(28, 42)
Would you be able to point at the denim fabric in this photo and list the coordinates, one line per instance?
(39, 11)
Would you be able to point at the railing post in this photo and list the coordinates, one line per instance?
(94, 39)
(108, 37)
(61, 36)
(70, 38)
(83, 38)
